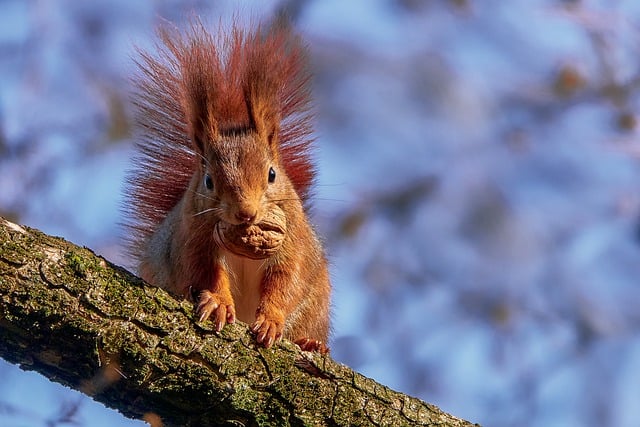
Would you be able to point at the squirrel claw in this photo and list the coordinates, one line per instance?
(307, 344)
(268, 331)
(212, 305)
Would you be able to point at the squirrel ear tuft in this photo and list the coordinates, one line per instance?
(263, 75)
(197, 134)
(264, 119)
(199, 76)
(201, 130)
(200, 116)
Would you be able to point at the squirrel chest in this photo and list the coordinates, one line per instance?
(245, 275)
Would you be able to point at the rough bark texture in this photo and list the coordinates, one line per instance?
(88, 324)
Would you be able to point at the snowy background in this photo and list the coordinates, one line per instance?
(478, 193)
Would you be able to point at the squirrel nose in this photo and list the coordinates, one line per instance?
(245, 216)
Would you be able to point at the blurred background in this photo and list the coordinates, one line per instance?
(478, 190)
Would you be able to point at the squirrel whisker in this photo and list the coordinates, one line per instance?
(205, 211)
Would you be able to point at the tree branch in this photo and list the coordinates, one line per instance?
(88, 324)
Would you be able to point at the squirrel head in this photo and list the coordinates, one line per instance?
(238, 178)
(233, 112)
(227, 125)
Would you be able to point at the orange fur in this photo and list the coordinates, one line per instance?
(229, 109)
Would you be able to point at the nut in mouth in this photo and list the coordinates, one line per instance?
(255, 241)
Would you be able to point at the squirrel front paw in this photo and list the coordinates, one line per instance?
(268, 330)
(220, 309)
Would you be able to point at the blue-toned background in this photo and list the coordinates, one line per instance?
(478, 191)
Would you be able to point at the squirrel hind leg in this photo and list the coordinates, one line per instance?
(308, 344)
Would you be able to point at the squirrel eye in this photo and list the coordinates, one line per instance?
(208, 182)
(272, 175)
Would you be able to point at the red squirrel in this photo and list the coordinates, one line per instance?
(220, 189)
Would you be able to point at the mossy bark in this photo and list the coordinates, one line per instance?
(81, 321)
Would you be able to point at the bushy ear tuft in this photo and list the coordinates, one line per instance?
(265, 120)
(201, 73)
(262, 81)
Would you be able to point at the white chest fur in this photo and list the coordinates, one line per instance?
(246, 276)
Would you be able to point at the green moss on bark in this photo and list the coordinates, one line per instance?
(90, 325)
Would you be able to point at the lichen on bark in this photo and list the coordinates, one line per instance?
(93, 326)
